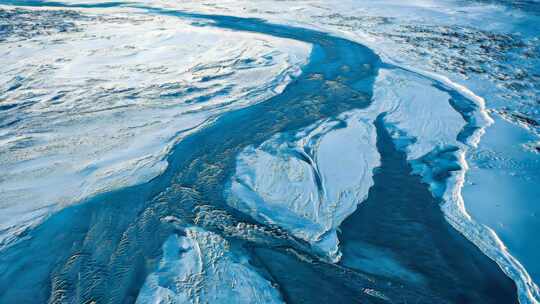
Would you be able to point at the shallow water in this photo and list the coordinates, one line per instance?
(396, 246)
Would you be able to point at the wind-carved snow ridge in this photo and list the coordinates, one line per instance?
(202, 267)
(308, 182)
(94, 102)
(425, 122)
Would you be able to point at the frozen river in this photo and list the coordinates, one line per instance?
(206, 157)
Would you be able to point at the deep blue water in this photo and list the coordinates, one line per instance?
(397, 242)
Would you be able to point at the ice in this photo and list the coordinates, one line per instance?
(425, 124)
(493, 64)
(419, 114)
(309, 181)
(497, 60)
(510, 174)
(97, 108)
(438, 40)
(202, 267)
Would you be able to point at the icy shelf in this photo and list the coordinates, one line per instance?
(308, 182)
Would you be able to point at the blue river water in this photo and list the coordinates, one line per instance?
(396, 243)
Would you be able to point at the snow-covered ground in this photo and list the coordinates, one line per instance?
(200, 267)
(309, 182)
(92, 101)
(487, 51)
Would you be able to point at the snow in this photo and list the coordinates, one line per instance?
(486, 66)
(417, 110)
(425, 125)
(492, 65)
(309, 181)
(98, 108)
(202, 267)
(510, 174)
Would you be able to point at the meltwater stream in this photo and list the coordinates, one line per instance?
(397, 247)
